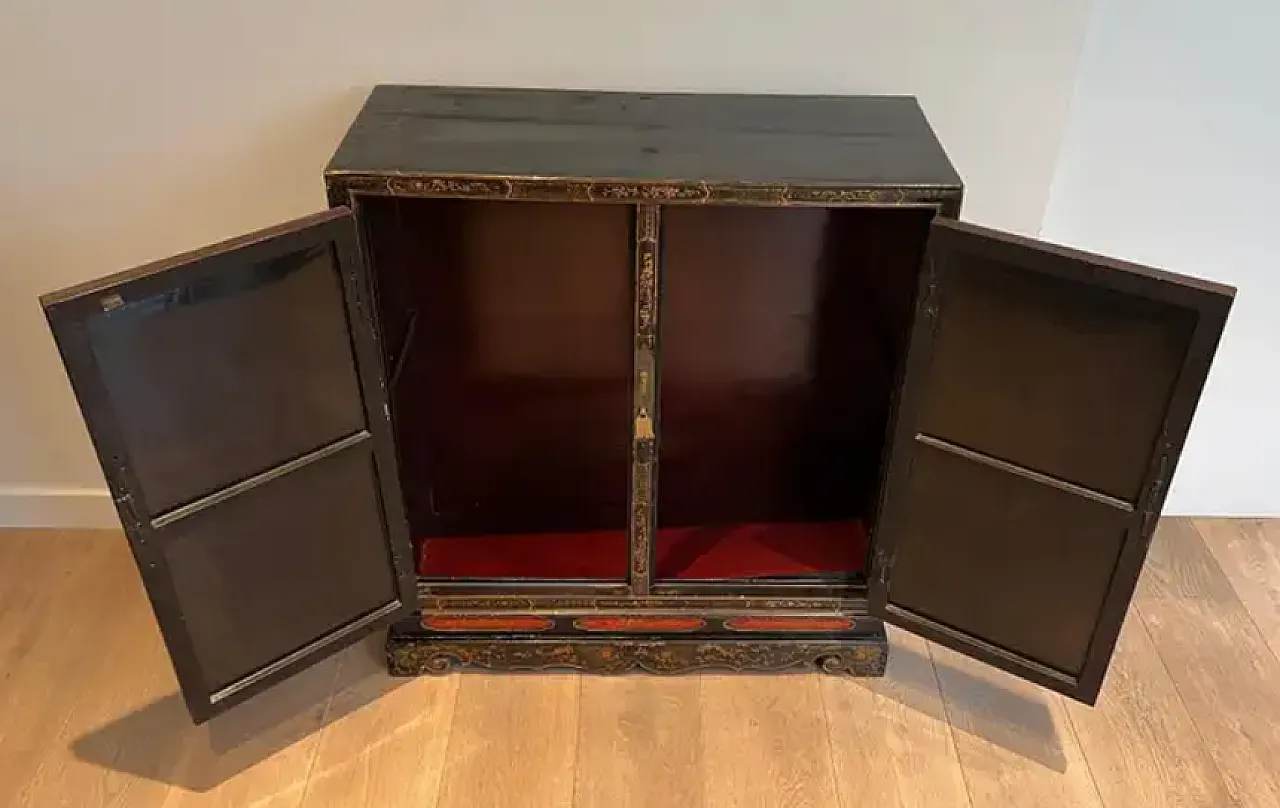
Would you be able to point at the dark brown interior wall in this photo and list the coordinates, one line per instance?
(512, 401)
(782, 331)
(781, 335)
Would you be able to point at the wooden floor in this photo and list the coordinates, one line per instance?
(1190, 715)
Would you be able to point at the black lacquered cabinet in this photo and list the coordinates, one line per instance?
(615, 382)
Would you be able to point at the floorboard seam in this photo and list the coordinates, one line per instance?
(1195, 722)
(341, 662)
(951, 729)
(577, 741)
(1266, 640)
(1084, 755)
(831, 750)
(1195, 725)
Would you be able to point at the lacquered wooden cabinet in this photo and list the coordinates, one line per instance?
(613, 381)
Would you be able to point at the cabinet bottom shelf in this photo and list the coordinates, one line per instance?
(617, 644)
(728, 552)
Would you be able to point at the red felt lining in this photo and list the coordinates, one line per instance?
(760, 550)
(732, 551)
(580, 554)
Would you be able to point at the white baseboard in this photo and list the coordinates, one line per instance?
(51, 506)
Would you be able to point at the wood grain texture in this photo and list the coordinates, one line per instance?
(1219, 661)
(123, 736)
(141, 675)
(386, 739)
(1248, 551)
(890, 741)
(260, 756)
(662, 136)
(1139, 742)
(513, 742)
(89, 714)
(765, 743)
(41, 632)
(34, 567)
(639, 743)
(1014, 739)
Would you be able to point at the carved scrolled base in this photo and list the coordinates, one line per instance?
(417, 655)
(866, 660)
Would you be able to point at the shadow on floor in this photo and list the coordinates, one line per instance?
(1008, 717)
(159, 741)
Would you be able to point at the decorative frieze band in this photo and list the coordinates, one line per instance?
(639, 192)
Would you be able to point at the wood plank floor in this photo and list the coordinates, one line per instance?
(1189, 716)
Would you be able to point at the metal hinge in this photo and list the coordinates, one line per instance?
(931, 291)
(884, 563)
(128, 514)
(1151, 513)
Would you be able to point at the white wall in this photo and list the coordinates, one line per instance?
(137, 128)
(1172, 157)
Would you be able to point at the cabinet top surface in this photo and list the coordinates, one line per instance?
(815, 140)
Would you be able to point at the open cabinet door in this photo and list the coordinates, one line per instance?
(235, 399)
(1046, 398)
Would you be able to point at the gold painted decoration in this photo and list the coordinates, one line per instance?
(408, 656)
(644, 398)
(642, 192)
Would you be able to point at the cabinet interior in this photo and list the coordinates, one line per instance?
(781, 333)
(508, 335)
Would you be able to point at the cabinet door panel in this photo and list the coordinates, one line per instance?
(274, 568)
(277, 381)
(235, 399)
(1056, 375)
(1058, 581)
(1046, 398)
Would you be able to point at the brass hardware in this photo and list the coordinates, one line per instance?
(644, 426)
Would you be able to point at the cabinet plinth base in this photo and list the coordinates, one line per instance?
(415, 651)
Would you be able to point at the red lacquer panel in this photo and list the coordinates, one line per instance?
(789, 623)
(482, 622)
(639, 623)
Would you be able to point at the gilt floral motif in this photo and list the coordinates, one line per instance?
(410, 657)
